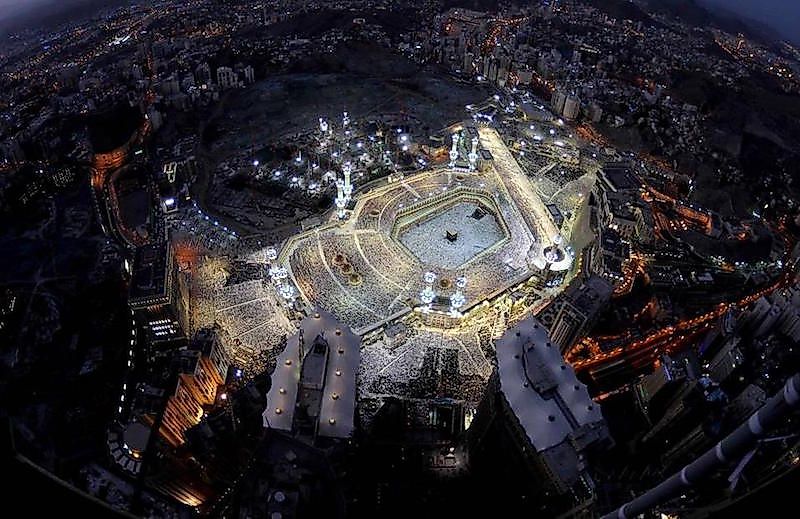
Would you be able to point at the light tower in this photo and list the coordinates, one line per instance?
(346, 127)
(347, 169)
(287, 292)
(454, 150)
(341, 200)
(323, 125)
(457, 300)
(280, 276)
(473, 154)
(427, 295)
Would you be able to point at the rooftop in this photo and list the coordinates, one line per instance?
(149, 278)
(337, 407)
(541, 389)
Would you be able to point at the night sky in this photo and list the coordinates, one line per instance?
(783, 15)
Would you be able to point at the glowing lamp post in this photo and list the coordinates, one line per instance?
(458, 300)
(278, 274)
(427, 295)
(287, 292)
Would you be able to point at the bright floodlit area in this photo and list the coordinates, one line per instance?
(450, 238)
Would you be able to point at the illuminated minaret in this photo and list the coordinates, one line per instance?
(427, 295)
(457, 300)
(347, 169)
(473, 154)
(454, 150)
(345, 120)
(323, 125)
(341, 201)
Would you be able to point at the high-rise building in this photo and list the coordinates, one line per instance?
(313, 392)
(11, 150)
(595, 113)
(199, 374)
(249, 74)
(656, 391)
(468, 59)
(202, 74)
(158, 294)
(557, 101)
(227, 78)
(575, 311)
(727, 360)
(572, 107)
(538, 415)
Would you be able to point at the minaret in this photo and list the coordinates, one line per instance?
(339, 189)
(347, 169)
(473, 154)
(346, 126)
(341, 201)
(272, 254)
(454, 150)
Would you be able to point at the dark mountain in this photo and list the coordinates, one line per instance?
(475, 5)
(693, 13)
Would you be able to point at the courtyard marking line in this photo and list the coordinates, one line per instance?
(370, 265)
(225, 309)
(462, 346)
(546, 169)
(403, 354)
(254, 328)
(410, 189)
(402, 292)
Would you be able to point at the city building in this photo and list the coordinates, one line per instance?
(573, 313)
(655, 391)
(572, 107)
(538, 416)
(227, 78)
(198, 372)
(558, 101)
(158, 294)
